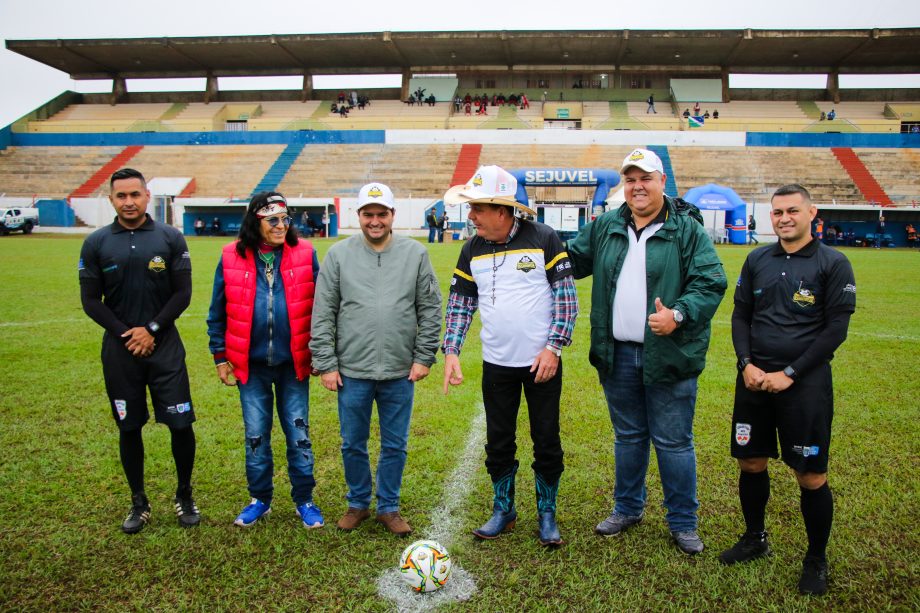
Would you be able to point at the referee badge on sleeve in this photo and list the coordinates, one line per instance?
(742, 434)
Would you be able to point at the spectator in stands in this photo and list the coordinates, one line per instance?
(457, 103)
(686, 113)
(354, 98)
(362, 102)
(199, 227)
(715, 114)
(334, 108)
(341, 97)
(696, 109)
(831, 115)
(411, 100)
(216, 227)
(343, 110)
(752, 231)
(543, 97)
(432, 100)
(467, 99)
(706, 114)
(482, 109)
(466, 108)
(432, 220)
(911, 235)
(259, 330)
(525, 103)
(823, 116)
(651, 104)
(376, 324)
(879, 231)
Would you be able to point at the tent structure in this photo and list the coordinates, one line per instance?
(713, 197)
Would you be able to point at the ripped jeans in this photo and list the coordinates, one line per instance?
(293, 399)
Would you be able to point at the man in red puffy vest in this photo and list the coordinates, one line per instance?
(259, 329)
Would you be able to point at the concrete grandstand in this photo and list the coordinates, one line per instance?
(587, 109)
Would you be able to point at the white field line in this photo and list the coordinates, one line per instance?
(445, 525)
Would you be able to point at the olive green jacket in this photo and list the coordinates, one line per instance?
(682, 268)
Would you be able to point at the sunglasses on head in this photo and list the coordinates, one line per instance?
(274, 221)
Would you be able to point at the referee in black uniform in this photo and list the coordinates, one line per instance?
(793, 303)
(135, 280)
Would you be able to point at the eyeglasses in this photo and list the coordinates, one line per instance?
(274, 221)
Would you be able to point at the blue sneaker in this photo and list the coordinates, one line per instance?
(311, 515)
(253, 512)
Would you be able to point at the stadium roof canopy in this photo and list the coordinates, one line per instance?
(876, 51)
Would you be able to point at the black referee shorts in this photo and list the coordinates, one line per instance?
(127, 379)
(800, 415)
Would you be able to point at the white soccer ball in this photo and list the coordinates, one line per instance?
(425, 566)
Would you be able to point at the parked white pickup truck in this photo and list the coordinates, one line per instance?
(16, 219)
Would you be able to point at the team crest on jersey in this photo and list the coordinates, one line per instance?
(157, 264)
(526, 264)
(803, 297)
(849, 288)
(742, 434)
(121, 409)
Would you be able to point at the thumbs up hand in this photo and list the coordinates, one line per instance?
(661, 322)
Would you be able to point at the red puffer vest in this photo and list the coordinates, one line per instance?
(240, 289)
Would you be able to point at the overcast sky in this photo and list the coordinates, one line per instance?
(25, 84)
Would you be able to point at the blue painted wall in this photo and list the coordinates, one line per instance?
(6, 137)
(801, 139)
(124, 139)
(55, 213)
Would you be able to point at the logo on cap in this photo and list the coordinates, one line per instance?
(477, 180)
(635, 156)
(374, 192)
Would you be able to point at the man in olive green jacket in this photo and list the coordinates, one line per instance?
(657, 284)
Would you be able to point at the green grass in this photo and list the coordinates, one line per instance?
(64, 494)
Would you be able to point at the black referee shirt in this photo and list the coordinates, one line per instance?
(788, 299)
(137, 268)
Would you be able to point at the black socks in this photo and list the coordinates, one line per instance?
(754, 492)
(183, 450)
(818, 513)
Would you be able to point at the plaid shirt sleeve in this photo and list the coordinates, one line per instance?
(457, 322)
(565, 311)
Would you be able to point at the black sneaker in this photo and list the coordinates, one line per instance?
(750, 546)
(138, 516)
(814, 576)
(186, 510)
(616, 524)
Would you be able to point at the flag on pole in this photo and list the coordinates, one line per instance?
(696, 121)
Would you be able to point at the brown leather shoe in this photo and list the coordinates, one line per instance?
(352, 518)
(395, 523)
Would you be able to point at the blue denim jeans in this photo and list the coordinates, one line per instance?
(432, 232)
(394, 409)
(293, 399)
(664, 415)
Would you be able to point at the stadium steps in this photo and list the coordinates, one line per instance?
(867, 184)
(507, 118)
(810, 109)
(173, 111)
(275, 174)
(670, 186)
(102, 175)
(620, 119)
(467, 162)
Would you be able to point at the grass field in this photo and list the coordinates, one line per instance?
(64, 495)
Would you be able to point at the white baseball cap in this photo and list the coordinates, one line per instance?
(488, 185)
(644, 159)
(376, 193)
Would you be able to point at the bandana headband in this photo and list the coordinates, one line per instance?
(275, 204)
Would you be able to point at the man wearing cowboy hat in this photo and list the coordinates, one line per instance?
(518, 275)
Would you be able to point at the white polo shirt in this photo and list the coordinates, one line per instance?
(631, 299)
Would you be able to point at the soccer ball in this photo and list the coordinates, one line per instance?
(425, 566)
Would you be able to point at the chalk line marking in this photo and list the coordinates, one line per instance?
(445, 525)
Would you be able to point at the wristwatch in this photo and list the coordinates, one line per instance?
(789, 371)
(743, 362)
(678, 317)
(554, 351)
(153, 327)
